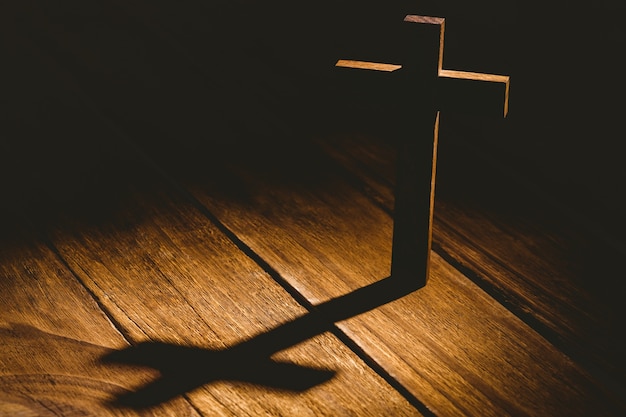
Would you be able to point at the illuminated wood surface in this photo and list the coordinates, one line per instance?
(517, 249)
(457, 333)
(54, 335)
(140, 261)
(175, 278)
(131, 247)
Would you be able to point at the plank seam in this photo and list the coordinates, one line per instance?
(66, 76)
(116, 324)
(476, 277)
(301, 299)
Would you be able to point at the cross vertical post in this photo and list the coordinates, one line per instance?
(420, 87)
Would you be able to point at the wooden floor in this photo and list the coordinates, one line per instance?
(192, 224)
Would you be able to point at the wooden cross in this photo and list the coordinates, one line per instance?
(423, 88)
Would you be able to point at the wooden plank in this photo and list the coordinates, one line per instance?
(39, 291)
(455, 348)
(535, 261)
(53, 335)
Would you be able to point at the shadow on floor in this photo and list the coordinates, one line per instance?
(185, 368)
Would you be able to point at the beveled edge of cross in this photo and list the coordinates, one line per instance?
(441, 72)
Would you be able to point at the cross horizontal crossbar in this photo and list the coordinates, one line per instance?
(446, 97)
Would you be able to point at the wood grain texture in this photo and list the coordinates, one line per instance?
(52, 338)
(168, 275)
(537, 262)
(468, 354)
(44, 374)
(373, 66)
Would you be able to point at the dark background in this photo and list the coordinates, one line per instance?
(563, 137)
(564, 134)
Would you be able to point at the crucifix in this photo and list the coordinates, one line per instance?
(422, 88)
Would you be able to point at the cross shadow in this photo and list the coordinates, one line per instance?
(185, 368)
